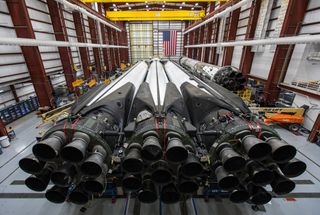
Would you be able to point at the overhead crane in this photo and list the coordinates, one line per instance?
(133, 1)
(134, 15)
(155, 15)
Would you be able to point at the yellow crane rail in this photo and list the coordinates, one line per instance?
(134, 1)
(155, 15)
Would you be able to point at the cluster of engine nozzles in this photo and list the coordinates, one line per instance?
(78, 174)
(258, 163)
(152, 171)
(230, 78)
(78, 171)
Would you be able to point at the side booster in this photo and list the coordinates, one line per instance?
(228, 77)
(245, 154)
(76, 154)
(161, 133)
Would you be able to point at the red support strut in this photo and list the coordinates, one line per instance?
(23, 27)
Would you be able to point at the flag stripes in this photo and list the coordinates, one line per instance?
(169, 43)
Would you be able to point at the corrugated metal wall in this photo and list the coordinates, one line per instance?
(12, 63)
(146, 39)
(302, 69)
(13, 69)
(241, 33)
(264, 54)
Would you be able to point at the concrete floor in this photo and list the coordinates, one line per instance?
(16, 198)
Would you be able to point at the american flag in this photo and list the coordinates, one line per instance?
(169, 43)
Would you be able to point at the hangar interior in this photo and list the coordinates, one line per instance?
(159, 107)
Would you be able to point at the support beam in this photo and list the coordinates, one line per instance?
(220, 12)
(23, 28)
(303, 39)
(190, 43)
(282, 56)
(208, 40)
(232, 33)
(51, 43)
(194, 42)
(112, 55)
(60, 33)
(121, 53)
(14, 93)
(95, 39)
(313, 136)
(124, 54)
(212, 6)
(216, 27)
(77, 17)
(185, 39)
(116, 41)
(214, 55)
(200, 40)
(125, 51)
(107, 51)
(247, 55)
(104, 40)
(78, 6)
(3, 130)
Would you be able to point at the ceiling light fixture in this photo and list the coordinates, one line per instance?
(183, 3)
(180, 7)
(114, 5)
(163, 5)
(192, 8)
(196, 4)
(129, 8)
(127, 3)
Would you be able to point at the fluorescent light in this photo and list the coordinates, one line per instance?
(147, 6)
(183, 3)
(129, 8)
(163, 5)
(127, 3)
(114, 5)
(180, 7)
(192, 8)
(196, 4)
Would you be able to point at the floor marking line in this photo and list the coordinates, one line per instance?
(17, 154)
(9, 175)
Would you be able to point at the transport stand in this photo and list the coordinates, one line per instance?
(208, 192)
